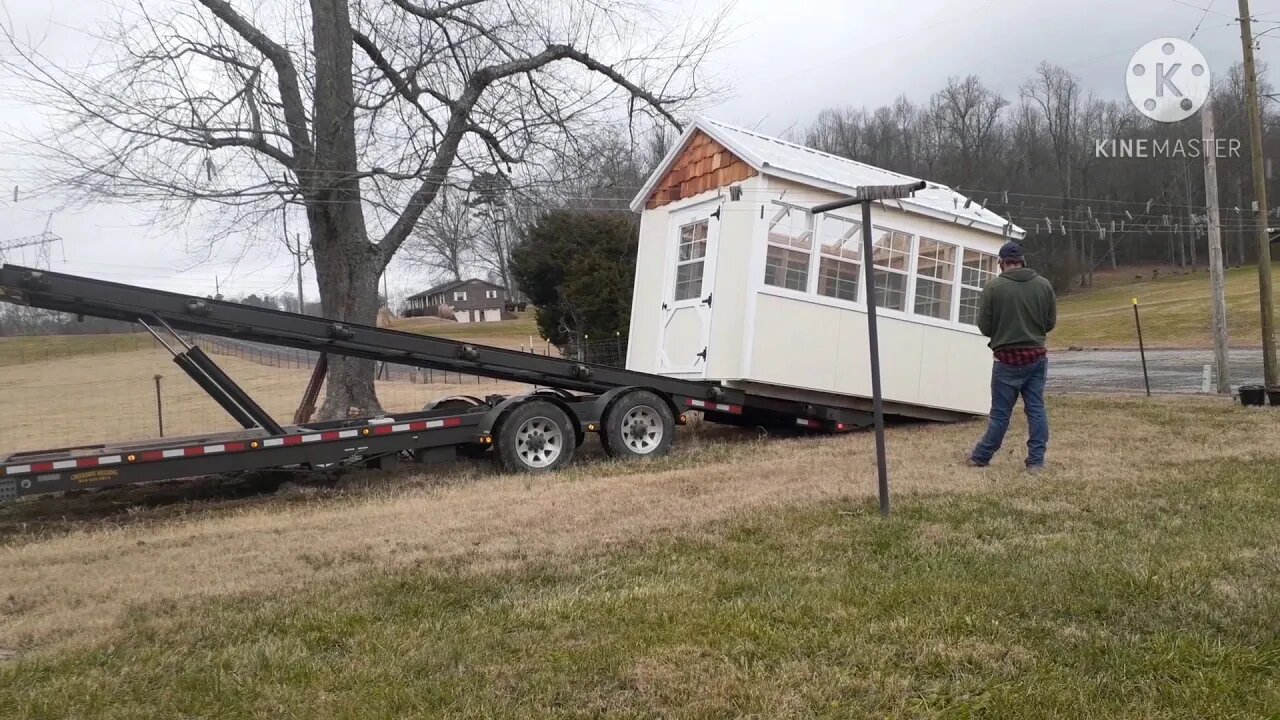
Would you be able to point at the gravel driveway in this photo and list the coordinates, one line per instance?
(1170, 370)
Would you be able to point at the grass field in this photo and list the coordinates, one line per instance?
(1176, 311)
(43, 348)
(737, 578)
(112, 397)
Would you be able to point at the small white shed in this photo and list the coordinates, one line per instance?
(737, 282)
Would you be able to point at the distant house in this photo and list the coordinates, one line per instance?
(469, 301)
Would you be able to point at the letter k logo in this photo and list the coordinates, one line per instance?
(1166, 78)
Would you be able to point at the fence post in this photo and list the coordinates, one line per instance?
(159, 406)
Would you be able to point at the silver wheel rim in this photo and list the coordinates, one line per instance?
(642, 430)
(539, 442)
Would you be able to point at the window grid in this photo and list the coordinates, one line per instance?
(840, 258)
(915, 275)
(935, 278)
(689, 262)
(978, 268)
(790, 247)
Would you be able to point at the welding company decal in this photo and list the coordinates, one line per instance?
(94, 476)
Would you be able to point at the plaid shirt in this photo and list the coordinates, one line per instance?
(1019, 356)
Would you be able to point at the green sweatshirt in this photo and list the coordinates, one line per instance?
(1018, 310)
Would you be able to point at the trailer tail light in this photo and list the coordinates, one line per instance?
(591, 427)
(683, 420)
(487, 440)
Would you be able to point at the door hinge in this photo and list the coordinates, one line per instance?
(703, 355)
(716, 214)
(707, 300)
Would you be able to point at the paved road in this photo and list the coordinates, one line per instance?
(1170, 370)
(1176, 371)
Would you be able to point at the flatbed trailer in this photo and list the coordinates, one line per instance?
(634, 413)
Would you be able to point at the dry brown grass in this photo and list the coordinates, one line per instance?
(111, 397)
(73, 589)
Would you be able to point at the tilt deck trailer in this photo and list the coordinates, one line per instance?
(634, 413)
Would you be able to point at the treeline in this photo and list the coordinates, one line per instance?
(1047, 158)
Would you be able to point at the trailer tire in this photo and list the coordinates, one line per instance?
(535, 437)
(638, 425)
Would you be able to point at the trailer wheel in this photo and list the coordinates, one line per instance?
(535, 437)
(639, 424)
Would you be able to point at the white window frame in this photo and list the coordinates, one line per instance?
(961, 286)
(782, 209)
(908, 273)
(699, 260)
(952, 281)
(816, 266)
(459, 295)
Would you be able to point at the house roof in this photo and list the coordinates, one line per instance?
(450, 285)
(786, 160)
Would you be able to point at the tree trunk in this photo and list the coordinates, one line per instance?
(347, 264)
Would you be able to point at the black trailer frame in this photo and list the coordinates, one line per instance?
(635, 413)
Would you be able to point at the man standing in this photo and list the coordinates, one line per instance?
(1018, 312)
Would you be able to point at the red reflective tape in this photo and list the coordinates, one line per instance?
(41, 467)
(382, 430)
(87, 462)
(453, 422)
(193, 451)
(151, 455)
(330, 436)
(235, 447)
(293, 440)
(418, 426)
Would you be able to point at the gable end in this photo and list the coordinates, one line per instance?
(703, 165)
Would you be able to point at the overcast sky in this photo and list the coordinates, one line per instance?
(788, 60)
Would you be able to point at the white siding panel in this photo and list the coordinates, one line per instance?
(646, 298)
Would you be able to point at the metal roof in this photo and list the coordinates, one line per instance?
(779, 158)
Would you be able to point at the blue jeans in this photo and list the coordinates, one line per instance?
(1007, 383)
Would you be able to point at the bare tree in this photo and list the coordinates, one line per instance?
(356, 112)
(445, 240)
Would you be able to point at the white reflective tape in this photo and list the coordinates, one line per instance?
(18, 470)
(173, 453)
(210, 449)
(434, 424)
(273, 442)
(401, 428)
(345, 434)
(110, 460)
(64, 465)
(310, 438)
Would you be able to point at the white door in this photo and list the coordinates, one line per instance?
(686, 309)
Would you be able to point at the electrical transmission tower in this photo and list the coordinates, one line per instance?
(42, 242)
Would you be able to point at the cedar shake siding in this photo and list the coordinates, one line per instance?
(703, 165)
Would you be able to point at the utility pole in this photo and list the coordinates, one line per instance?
(1216, 269)
(1260, 192)
(302, 306)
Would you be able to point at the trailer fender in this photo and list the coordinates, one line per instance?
(494, 417)
(602, 404)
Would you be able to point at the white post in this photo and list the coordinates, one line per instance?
(1205, 384)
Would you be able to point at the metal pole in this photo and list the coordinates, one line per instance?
(302, 306)
(865, 196)
(1260, 193)
(1216, 269)
(1142, 350)
(873, 336)
(159, 406)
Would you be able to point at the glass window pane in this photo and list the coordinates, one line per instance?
(838, 279)
(978, 268)
(791, 227)
(841, 237)
(891, 290)
(937, 260)
(970, 303)
(892, 249)
(933, 298)
(688, 281)
(693, 241)
(787, 268)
